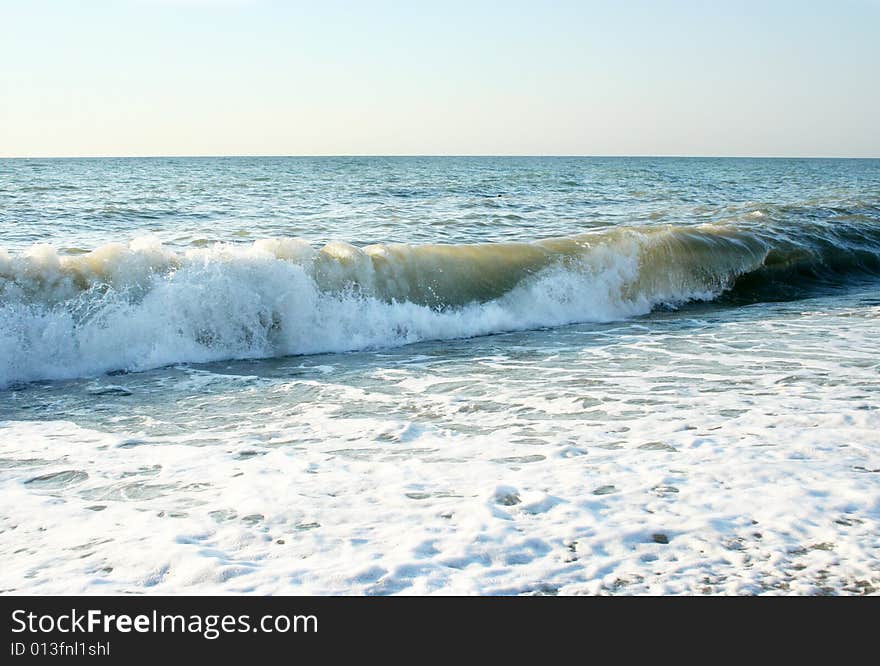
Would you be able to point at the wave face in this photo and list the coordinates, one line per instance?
(142, 305)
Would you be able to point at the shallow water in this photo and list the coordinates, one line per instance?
(683, 401)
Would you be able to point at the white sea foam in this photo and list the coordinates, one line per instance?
(142, 306)
(733, 457)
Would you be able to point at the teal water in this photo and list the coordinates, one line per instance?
(85, 203)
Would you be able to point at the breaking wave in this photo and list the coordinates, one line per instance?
(142, 305)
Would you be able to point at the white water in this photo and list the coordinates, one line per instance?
(143, 306)
(734, 454)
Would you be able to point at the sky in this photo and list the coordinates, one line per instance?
(548, 77)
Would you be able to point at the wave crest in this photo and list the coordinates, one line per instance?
(142, 305)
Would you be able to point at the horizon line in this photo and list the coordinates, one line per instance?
(438, 155)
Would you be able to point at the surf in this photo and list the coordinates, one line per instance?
(139, 305)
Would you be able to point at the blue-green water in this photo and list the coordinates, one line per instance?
(85, 203)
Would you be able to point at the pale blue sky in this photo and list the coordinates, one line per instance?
(265, 77)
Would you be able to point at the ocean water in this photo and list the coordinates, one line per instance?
(440, 375)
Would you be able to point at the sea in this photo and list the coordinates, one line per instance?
(439, 375)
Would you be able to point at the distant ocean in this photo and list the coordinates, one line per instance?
(440, 375)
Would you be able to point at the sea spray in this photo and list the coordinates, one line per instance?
(142, 305)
